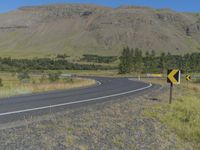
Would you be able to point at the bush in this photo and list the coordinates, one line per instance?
(68, 80)
(33, 81)
(23, 76)
(43, 78)
(53, 77)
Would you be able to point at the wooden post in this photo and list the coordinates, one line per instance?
(170, 97)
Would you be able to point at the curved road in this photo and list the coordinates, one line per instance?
(106, 89)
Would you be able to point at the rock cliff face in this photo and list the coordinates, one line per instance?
(78, 29)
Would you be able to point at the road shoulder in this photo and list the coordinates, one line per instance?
(119, 124)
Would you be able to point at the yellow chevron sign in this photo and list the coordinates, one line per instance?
(173, 76)
(188, 77)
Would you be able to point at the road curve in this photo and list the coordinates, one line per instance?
(106, 89)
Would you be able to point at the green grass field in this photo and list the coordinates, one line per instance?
(183, 115)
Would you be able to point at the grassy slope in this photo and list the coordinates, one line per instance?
(183, 115)
(102, 34)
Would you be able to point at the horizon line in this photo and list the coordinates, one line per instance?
(76, 3)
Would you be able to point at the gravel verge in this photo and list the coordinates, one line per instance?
(119, 124)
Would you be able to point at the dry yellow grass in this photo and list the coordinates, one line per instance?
(12, 86)
(41, 87)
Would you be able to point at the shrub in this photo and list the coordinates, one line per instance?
(23, 76)
(53, 77)
(43, 78)
(68, 80)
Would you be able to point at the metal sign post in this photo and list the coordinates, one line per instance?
(173, 77)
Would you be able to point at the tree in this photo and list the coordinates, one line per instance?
(126, 61)
(23, 76)
(147, 62)
(138, 62)
(162, 62)
(153, 63)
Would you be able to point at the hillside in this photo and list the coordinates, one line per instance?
(77, 29)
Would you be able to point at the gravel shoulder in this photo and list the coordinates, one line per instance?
(119, 124)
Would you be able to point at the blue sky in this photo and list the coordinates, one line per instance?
(178, 5)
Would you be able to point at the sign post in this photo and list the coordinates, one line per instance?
(171, 90)
(173, 77)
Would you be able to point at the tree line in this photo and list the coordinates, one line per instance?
(133, 60)
(99, 59)
(9, 64)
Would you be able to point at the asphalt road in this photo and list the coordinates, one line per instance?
(37, 104)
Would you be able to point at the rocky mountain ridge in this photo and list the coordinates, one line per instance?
(77, 29)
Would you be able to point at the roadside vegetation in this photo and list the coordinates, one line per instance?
(133, 60)
(12, 84)
(99, 59)
(18, 65)
(125, 123)
(183, 116)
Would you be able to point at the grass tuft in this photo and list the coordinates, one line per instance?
(184, 117)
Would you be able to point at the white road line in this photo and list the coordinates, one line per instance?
(76, 102)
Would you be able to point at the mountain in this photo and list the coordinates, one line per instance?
(77, 29)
